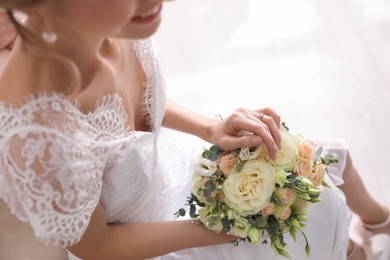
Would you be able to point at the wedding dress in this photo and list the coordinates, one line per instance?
(56, 164)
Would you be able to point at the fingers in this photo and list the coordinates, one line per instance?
(270, 112)
(232, 142)
(273, 127)
(263, 124)
(262, 130)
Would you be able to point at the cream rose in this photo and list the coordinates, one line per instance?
(287, 156)
(204, 167)
(249, 190)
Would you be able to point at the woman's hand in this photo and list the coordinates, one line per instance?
(263, 123)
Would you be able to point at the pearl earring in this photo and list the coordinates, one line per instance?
(49, 37)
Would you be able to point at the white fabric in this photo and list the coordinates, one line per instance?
(56, 162)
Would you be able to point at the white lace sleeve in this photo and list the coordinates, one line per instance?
(49, 175)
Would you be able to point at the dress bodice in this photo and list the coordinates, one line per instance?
(56, 162)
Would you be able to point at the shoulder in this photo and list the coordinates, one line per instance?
(45, 110)
(49, 174)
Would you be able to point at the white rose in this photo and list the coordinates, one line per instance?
(250, 153)
(240, 228)
(204, 167)
(250, 190)
(287, 156)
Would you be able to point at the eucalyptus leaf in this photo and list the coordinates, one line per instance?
(193, 212)
(318, 153)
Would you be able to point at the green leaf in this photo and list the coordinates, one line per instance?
(210, 184)
(325, 184)
(215, 149)
(331, 158)
(318, 153)
(313, 192)
(307, 247)
(196, 200)
(260, 222)
(193, 212)
(285, 126)
(283, 252)
(238, 166)
(206, 154)
(207, 193)
(315, 200)
(295, 223)
(180, 213)
(293, 233)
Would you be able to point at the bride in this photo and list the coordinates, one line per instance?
(82, 110)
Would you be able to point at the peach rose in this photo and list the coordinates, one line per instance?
(269, 209)
(227, 162)
(282, 213)
(305, 149)
(318, 176)
(303, 168)
(286, 195)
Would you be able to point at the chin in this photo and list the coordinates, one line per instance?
(141, 32)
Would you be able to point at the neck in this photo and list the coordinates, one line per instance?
(89, 53)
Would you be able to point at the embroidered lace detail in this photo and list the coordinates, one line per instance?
(52, 162)
(50, 173)
(53, 157)
(154, 86)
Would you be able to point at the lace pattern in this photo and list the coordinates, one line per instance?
(49, 173)
(53, 157)
(154, 96)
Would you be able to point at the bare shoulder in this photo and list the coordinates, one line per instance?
(23, 77)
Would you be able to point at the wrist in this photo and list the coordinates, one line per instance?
(207, 130)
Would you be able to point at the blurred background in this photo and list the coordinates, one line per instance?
(324, 65)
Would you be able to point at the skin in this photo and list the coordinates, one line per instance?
(98, 42)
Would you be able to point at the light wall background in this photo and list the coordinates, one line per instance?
(324, 65)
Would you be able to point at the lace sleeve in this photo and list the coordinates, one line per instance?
(49, 178)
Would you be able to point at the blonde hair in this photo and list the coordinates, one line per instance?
(34, 44)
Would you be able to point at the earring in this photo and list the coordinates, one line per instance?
(49, 37)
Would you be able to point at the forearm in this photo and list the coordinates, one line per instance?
(161, 238)
(142, 240)
(184, 120)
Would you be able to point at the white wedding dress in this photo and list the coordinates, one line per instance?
(56, 164)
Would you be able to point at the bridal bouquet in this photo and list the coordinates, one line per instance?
(246, 194)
